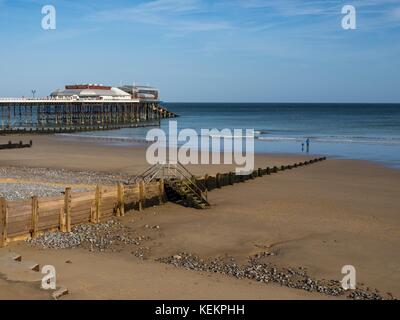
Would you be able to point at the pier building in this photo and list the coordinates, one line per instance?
(83, 107)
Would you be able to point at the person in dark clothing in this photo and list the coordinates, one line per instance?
(308, 145)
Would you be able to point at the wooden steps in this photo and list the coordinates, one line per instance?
(185, 192)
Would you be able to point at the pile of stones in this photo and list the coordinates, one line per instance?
(22, 191)
(109, 235)
(61, 175)
(266, 272)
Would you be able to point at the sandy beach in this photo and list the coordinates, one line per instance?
(320, 218)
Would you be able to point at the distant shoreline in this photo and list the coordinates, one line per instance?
(141, 143)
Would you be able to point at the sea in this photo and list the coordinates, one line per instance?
(350, 131)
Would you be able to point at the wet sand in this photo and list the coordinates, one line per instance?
(321, 217)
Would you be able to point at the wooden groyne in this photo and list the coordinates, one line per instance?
(18, 145)
(23, 219)
(209, 183)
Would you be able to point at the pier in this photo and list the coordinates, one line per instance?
(54, 115)
(82, 108)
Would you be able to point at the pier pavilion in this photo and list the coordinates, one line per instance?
(83, 108)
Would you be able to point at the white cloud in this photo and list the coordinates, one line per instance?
(180, 16)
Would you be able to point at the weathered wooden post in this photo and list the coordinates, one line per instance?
(218, 180)
(161, 191)
(3, 222)
(67, 209)
(121, 200)
(206, 181)
(268, 171)
(141, 195)
(34, 217)
(97, 201)
(231, 178)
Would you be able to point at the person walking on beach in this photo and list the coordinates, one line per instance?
(308, 145)
(302, 147)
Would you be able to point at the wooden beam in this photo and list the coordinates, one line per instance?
(142, 195)
(67, 209)
(121, 200)
(34, 217)
(3, 222)
(161, 191)
(97, 213)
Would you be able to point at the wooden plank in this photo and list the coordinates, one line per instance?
(49, 212)
(134, 197)
(85, 206)
(161, 191)
(18, 226)
(77, 203)
(83, 197)
(19, 218)
(19, 204)
(43, 205)
(67, 208)
(109, 207)
(15, 214)
(48, 219)
(142, 195)
(86, 215)
(81, 219)
(97, 213)
(3, 222)
(19, 236)
(47, 225)
(121, 201)
(35, 217)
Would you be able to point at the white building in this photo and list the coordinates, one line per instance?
(101, 92)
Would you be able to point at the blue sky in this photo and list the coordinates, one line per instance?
(202, 50)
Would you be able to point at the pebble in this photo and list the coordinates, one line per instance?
(94, 237)
(20, 191)
(266, 272)
(59, 293)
